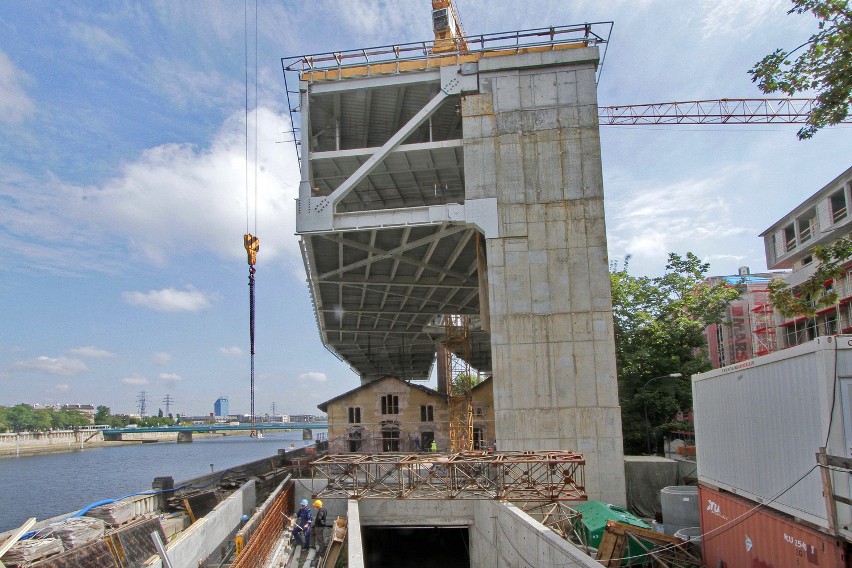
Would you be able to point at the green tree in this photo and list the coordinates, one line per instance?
(659, 330)
(102, 414)
(463, 382)
(825, 66)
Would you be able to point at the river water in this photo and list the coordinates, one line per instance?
(44, 486)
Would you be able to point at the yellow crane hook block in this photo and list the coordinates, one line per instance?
(252, 245)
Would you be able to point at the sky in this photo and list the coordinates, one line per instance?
(127, 179)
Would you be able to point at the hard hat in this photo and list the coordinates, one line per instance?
(303, 502)
(317, 503)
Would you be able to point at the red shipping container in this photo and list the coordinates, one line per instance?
(733, 538)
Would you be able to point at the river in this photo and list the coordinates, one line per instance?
(47, 485)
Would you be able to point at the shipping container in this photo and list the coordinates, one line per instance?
(760, 423)
(736, 532)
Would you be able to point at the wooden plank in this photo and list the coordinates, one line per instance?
(10, 542)
(827, 491)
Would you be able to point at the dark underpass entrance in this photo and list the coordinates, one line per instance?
(416, 547)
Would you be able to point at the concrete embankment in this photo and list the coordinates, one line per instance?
(32, 443)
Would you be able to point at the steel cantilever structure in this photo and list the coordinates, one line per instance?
(545, 476)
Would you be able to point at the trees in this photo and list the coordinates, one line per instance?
(824, 67)
(659, 330)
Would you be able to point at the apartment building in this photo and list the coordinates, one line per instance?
(821, 219)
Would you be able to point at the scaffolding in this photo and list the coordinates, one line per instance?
(460, 382)
(763, 323)
(529, 477)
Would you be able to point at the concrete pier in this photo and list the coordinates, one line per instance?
(469, 185)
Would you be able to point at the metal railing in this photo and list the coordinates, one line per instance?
(594, 33)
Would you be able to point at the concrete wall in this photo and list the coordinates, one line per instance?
(531, 141)
(206, 535)
(503, 535)
(500, 533)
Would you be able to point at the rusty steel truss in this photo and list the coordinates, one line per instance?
(545, 476)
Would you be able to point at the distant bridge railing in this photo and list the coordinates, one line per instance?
(222, 428)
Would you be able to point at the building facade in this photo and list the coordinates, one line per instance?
(820, 220)
(220, 407)
(392, 415)
(748, 328)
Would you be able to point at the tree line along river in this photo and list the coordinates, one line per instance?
(47, 485)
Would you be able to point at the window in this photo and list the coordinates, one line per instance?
(478, 439)
(789, 237)
(390, 440)
(354, 415)
(807, 260)
(807, 225)
(390, 404)
(838, 206)
(427, 413)
(831, 323)
(477, 411)
(355, 441)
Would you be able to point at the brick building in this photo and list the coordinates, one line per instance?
(391, 415)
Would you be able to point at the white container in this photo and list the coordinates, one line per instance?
(759, 424)
(689, 534)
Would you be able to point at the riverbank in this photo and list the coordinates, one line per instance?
(37, 443)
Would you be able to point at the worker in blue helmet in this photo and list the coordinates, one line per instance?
(302, 526)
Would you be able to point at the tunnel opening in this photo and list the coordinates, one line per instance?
(416, 547)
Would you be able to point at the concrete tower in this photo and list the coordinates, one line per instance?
(469, 184)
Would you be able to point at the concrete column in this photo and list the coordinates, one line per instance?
(184, 437)
(532, 141)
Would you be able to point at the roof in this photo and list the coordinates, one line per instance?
(324, 405)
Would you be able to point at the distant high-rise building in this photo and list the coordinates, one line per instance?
(220, 407)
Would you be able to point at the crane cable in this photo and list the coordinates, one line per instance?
(251, 242)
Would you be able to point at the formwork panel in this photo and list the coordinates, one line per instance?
(737, 533)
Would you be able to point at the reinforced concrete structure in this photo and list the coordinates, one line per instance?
(468, 183)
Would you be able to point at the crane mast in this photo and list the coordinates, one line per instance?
(449, 34)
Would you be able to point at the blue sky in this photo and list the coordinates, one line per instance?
(123, 179)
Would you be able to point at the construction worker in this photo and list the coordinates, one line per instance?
(319, 525)
(433, 447)
(302, 526)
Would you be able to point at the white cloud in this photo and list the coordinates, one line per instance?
(231, 351)
(161, 358)
(98, 42)
(170, 300)
(15, 105)
(735, 16)
(176, 198)
(676, 217)
(91, 352)
(170, 377)
(135, 380)
(63, 366)
(62, 387)
(314, 376)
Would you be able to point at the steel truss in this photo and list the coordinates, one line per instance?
(545, 476)
(717, 111)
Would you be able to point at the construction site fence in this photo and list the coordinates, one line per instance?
(256, 540)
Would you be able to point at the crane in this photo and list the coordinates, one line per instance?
(711, 111)
(449, 34)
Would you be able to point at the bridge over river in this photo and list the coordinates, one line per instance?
(184, 433)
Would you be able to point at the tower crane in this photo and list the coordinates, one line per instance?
(449, 34)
